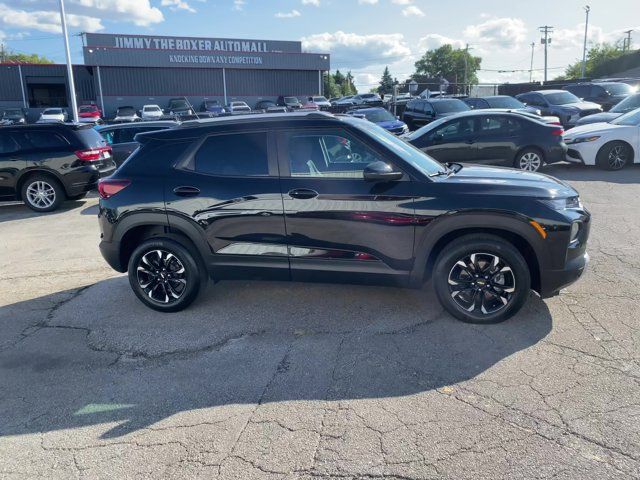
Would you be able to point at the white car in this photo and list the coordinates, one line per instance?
(151, 112)
(321, 101)
(345, 101)
(126, 114)
(238, 107)
(53, 115)
(610, 146)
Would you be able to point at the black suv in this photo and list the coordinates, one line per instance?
(605, 94)
(43, 165)
(312, 196)
(420, 112)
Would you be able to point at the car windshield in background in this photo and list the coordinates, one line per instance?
(561, 98)
(404, 150)
(126, 111)
(52, 111)
(291, 99)
(380, 115)
(212, 103)
(619, 89)
(629, 119)
(628, 104)
(87, 109)
(151, 109)
(179, 104)
(504, 102)
(12, 112)
(446, 106)
(319, 99)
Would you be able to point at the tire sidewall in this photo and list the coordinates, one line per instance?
(185, 256)
(602, 157)
(57, 187)
(450, 255)
(522, 153)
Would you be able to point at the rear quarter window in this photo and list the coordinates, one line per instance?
(242, 155)
(38, 139)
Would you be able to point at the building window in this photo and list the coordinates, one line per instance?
(42, 95)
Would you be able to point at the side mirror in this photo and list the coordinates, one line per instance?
(381, 172)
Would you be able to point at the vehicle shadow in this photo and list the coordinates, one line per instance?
(10, 211)
(101, 357)
(582, 173)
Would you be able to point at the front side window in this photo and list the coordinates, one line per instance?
(455, 129)
(242, 154)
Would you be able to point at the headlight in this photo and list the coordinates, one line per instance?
(575, 231)
(592, 138)
(563, 203)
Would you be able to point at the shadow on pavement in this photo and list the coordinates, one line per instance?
(19, 211)
(582, 173)
(102, 357)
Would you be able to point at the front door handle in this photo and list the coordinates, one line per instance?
(186, 191)
(303, 193)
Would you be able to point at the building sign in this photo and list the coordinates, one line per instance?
(194, 44)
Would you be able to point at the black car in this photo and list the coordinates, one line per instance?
(120, 137)
(629, 103)
(45, 164)
(292, 103)
(494, 138)
(269, 106)
(605, 94)
(179, 107)
(499, 101)
(559, 103)
(13, 116)
(312, 196)
(420, 112)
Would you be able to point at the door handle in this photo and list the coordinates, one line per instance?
(303, 193)
(186, 191)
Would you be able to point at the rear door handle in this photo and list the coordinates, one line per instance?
(186, 191)
(303, 193)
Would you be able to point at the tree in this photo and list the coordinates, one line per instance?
(386, 83)
(449, 63)
(348, 88)
(331, 89)
(12, 57)
(596, 66)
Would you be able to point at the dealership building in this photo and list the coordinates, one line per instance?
(135, 70)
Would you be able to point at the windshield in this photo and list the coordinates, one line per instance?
(291, 99)
(87, 109)
(212, 103)
(319, 99)
(12, 112)
(631, 118)
(628, 104)
(404, 150)
(619, 89)
(151, 109)
(178, 104)
(125, 111)
(561, 98)
(504, 102)
(446, 106)
(380, 115)
(52, 111)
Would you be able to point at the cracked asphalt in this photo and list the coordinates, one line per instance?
(263, 380)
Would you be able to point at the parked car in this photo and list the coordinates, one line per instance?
(126, 114)
(493, 138)
(53, 115)
(151, 112)
(345, 101)
(212, 106)
(321, 102)
(121, 137)
(381, 117)
(13, 116)
(610, 146)
(421, 112)
(560, 103)
(629, 103)
(238, 107)
(499, 101)
(366, 98)
(269, 106)
(89, 114)
(340, 199)
(180, 107)
(43, 165)
(292, 103)
(309, 104)
(605, 94)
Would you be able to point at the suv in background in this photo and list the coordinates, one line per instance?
(367, 99)
(13, 116)
(499, 101)
(126, 114)
(559, 103)
(420, 112)
(179, 107)
(121, 137)
(212, 106)
(43, 165)
(89, 114)
(605, 94)
(339, 199)
(292, 103)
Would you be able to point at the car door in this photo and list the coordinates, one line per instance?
(10, 164)
(338, 224)
(497, 139)
(228, 188)
(453, 141)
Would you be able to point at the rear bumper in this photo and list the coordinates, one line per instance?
(111, 253)
(552, 281)
(556, 154)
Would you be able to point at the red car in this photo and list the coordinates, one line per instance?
(89, 114)
(310, 105)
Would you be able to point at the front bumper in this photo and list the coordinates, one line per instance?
(553, 281)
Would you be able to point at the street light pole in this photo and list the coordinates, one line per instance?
(533, 46)
(587, 9)
(72, 86)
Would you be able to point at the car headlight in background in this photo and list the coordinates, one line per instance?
(563, 203)
(591, 138)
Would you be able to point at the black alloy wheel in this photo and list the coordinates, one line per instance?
(614, 156)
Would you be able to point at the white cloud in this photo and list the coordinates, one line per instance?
(292, 14)
(238, 5)
(45, 21)
(138, 12)
(367, 2)
(504, 33)
(315, 3)
(412, 11)
(402, 2)
(177, 5)
(435, 40)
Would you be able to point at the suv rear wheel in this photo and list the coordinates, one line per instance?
(481, 278)
(42, 193)
(164, 274)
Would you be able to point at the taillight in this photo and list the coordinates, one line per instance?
(557, 132)
(108, 187)
(93, 154)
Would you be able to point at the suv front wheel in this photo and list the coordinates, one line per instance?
(481, 278)
(164, 275)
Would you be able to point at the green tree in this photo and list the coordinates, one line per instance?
(348, 88)
(13, 57)
(339, 78)
(449, 63)
(596, 66)
(331, 89)
(386, 83)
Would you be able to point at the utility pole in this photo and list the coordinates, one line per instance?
(546, 29)
(72, 86)
(533, 46)
(2, 56)
(626, 42)
(466, 68)
(587, 9)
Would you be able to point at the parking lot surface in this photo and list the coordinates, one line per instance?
(297, 381)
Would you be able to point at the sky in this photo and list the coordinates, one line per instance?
(363, 36)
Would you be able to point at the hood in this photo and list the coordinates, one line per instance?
(391, 124)
(580, 106)
(598, 117)
(509, 181)
(592, 128)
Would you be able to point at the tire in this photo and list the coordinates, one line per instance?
(614, 156)
(529, 160)
(80, 196)
(496, 289)
(42, 193)
(164, 274)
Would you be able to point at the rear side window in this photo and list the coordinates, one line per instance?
(8, 144)
(242, 155)
(30, 140)
(499, 125)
